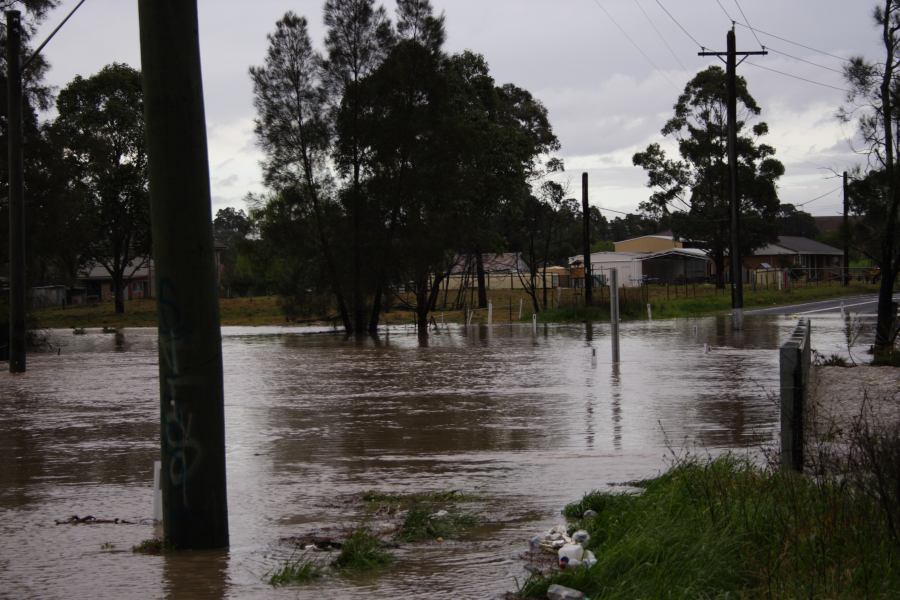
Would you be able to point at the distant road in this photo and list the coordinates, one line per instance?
(861, 305)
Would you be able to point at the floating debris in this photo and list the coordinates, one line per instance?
(91, 520)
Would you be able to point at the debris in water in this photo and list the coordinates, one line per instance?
(91, 520)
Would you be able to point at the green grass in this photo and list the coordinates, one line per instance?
(727, 529)
(423, 518)
(707, 301)
(151, 546)
(424, 522)
(362, 551)
(294, 571)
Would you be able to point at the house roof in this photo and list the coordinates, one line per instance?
(138, 267)
(503, 262)
(791, 245)
(684, 252)
(662, 235)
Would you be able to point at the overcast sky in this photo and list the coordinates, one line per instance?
(608, 71)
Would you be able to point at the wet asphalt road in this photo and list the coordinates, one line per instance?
(860, 305)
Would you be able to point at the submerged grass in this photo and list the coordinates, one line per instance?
(295, 571)
(151, 546)
(726, 528)
(428, 515)
(422, 522)
(362, 551)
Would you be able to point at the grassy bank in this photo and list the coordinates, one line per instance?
(666, 302)
(704, 302)
(727, 529)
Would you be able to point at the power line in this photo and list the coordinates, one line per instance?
(724, 11)
(748, 24)
(702, 47)
(819, 83)
(819, 197)
(633, 43)
(659, 33)
(792, 42)
(809, 62)
(50, 37)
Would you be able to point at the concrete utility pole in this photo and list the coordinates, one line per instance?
(16, 194)
(845, 232)
(737, 278)
(586, 218)
(195, 514)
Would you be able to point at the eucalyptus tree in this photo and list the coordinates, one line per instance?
(691, 192)
(292, 128)
(873, 103)
(358, 38)
(100, 131)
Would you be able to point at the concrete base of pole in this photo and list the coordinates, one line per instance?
(737, 318)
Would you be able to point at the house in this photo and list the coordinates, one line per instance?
(502, 270)
(793, 251)
(138, 281)
(672, 265)
(649, 243)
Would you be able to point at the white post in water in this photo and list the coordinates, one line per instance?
(614, 312)
(534, 322)
(490, 313)
(520, 309)
(649, 312)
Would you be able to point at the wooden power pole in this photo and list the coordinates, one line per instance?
(737, 277)
(16, 194)
(845, 233)
(195, 514)
(586, 218)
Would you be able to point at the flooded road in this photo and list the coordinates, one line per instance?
(526, 421)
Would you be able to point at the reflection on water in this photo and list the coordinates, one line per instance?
(528, 420)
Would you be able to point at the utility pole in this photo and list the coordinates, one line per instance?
(195, 513)
(586, 217)
(845, 232)
(737, 277)
(16, 194)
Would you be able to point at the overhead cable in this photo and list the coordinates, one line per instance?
(754, 29)
(661, 37)
(748, 24)
(633, 43)
(819, 83)
(701, 46)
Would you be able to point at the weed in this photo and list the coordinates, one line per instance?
(362, 551)
(727, 528)
(422, 522)
(295, 571)
(151, 546)
(107, 546)
(78, 331)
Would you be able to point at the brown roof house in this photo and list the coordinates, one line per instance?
(138, 279)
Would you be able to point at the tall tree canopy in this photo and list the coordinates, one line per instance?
(872, 103)
(391, 149)
(100, 132)
(692, 192)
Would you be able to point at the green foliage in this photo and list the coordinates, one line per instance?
(294, 571)
(151, 546)
(425, 522)
(725, 528)
(100, 133)
(693, 191)
(429, 515)
(362, 551)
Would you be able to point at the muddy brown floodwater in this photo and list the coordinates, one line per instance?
(526, 421)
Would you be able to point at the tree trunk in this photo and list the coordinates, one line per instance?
(119, 294)
(719, 261)
(482, 288)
